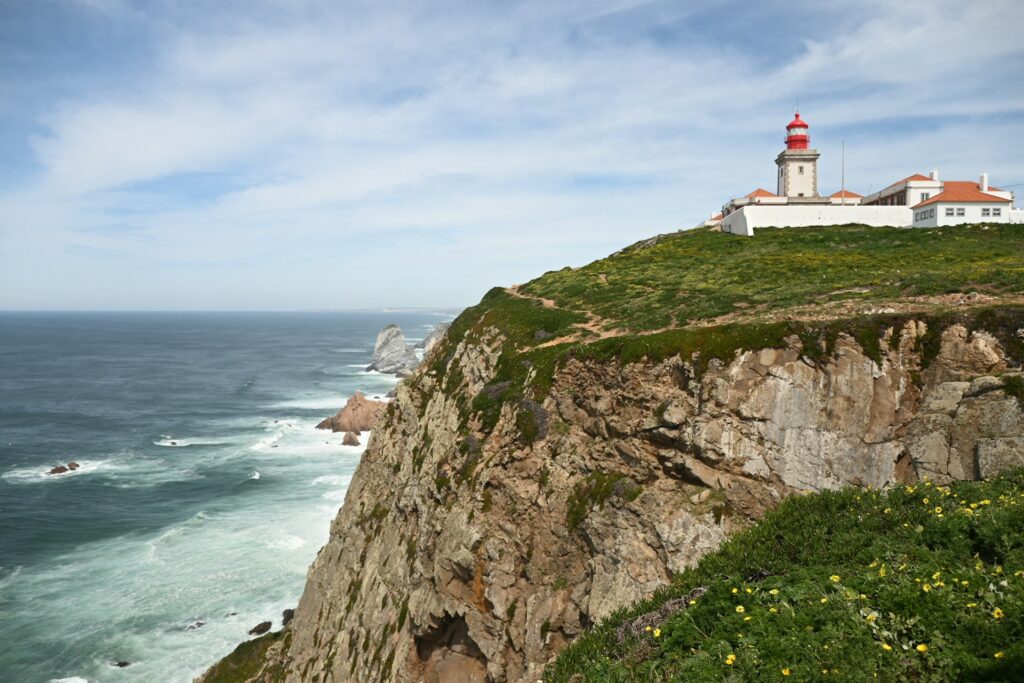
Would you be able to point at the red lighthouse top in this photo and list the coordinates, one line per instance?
(796, 134)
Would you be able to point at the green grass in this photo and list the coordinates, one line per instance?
(919, 583)
(703, 273)
(247, 660)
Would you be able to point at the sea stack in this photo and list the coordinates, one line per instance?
(358, 415)
(391, 353)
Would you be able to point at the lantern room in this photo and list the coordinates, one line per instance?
(796, 134)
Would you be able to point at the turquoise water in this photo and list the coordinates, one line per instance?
(204, 493)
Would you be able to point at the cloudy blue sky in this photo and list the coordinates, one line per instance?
(288, 154)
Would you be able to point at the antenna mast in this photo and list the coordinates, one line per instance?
(843, 190)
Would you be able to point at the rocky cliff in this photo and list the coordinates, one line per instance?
(541, 469)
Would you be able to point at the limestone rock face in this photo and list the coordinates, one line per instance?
(463, 553)
(391, 354)
(358, 415)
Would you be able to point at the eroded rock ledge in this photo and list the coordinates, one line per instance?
(469, 554)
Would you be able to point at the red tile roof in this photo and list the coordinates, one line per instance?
(717, 217)
(846, 193)
(970, 184)
(761, 192)
(961, 191)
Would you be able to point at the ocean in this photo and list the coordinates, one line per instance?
(204, 490)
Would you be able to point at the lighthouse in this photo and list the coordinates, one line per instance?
(798, 164)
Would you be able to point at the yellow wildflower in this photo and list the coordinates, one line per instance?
(786, 672)
(871, 617)
(925, 501)
(823, 600)
(936, 576)
(648, 629)
(735, 591)
(772, 610)
(997, 613)
(972, 604)
(731, 659)
(693, 602)
(741, 609)
(774, 591)
(657, 633)
(886, 646)
(835, 578)
(998, 655)
(922, 648)
(926, 588)
(747, 618)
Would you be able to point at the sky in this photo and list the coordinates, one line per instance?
(324, 154)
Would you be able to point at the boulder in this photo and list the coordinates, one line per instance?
(350, 439)
(260, 628)
(359, 414)
(122, 664)
(391, 354)
(286, 616)
(59, 469)
(73, 465)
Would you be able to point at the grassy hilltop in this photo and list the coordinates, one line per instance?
(705, 294)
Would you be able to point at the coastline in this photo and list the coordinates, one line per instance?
(245, 477)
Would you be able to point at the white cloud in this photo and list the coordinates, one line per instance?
(529, 135)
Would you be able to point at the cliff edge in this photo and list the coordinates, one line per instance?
(572, 444)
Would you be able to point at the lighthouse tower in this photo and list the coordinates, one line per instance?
(798, 165)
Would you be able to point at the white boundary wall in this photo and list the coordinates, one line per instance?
(744, 220)
(1017, 215)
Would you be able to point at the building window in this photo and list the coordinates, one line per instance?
(917, 216)
(997, 212)
(960, 211)
(949, 211)
(800, 170)
(925, 195)
(985, 212)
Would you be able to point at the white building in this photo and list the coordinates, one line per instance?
(919, 201)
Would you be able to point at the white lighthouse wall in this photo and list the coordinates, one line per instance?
(745, 220)
(796, 184)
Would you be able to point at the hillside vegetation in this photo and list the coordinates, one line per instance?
(705, 294)
(917, 583)
(701, 274)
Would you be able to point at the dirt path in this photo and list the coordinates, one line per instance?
(596, 327)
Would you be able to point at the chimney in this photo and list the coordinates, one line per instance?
(934, 175)
(983, 184)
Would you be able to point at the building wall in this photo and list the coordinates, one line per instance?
(747, 219)
(1017, 215)
(972, 213)
(792, 183)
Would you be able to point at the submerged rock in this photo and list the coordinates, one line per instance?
(122, 664)
(358, 415)
(260, 628)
